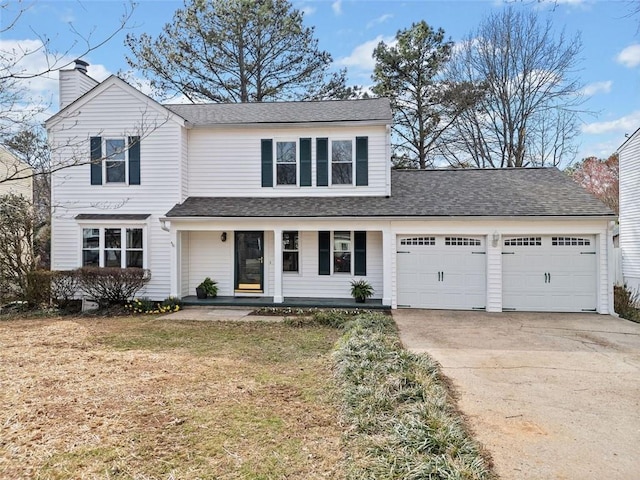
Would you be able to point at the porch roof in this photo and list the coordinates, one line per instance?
(515, 192)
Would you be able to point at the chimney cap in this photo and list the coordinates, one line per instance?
(81, 65)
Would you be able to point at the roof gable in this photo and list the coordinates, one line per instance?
(112, 81)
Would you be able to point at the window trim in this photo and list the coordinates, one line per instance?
(353, 161)
(296, 142)
(123, 225)
(106, 159)
(288, 250)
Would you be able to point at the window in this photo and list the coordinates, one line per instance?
(290, 252)
(341, 162)
(116, 161)
(523, 242)
(418, 241)
(286, 166)
(570, 242)
(112, 247)
(342, 252)
(462, 241)
(91, 247)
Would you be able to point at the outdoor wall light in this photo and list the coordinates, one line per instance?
(495, 239)
(223, 237)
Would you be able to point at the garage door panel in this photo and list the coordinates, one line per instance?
(549, 273)
(444, 273)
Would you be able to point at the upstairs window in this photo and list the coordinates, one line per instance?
(286, 163)
(115, 163)
(341, 162)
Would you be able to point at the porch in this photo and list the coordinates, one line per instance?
(295, 302)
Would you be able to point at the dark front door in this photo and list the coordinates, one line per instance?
(249, 254)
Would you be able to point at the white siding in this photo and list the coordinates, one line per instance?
(630, 210)
(11, 167)
(307, 282)
(115, 113)
(208, 256)
(227, 162)
(72, 85)
(494, 275)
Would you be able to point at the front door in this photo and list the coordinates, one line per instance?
(249, 252)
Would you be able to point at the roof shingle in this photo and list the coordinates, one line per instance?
(514, 192)
(371, 110)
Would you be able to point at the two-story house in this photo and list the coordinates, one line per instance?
(629, 232)
(16, 177)
(295, 200)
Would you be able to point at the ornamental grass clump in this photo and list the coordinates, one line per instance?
(402, 423)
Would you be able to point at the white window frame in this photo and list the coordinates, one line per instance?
(275, 162)
(291, 250)
(334, 251)
(353, 161)
(106, 159)
(123, 226)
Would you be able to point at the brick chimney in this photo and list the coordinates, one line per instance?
(74, 83)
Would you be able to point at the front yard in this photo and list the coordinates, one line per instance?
(140, 397)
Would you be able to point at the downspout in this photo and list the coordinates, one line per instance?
(388, 159)
(163, 225)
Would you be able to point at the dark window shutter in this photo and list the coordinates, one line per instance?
(267, 163)
(360, 253)
(96, 162)
(362, 160)
(324, 253)
(134, 160)
(305, 162)
(322, 162)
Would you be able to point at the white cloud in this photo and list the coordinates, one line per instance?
(627, 124)
(308, 10)
(597, 87)
(337, 7)
(31, 60)
(629, 56)
(362, 56)
(379, 20)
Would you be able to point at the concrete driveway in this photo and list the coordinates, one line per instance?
(551, 396)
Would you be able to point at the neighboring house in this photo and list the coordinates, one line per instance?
(629, 155)
(290, 200)
(15, 175)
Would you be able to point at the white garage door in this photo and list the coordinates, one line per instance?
(549, 273)
(447, 272)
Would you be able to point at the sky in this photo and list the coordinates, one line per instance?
(609, 66)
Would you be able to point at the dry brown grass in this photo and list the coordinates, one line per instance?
(152, 399)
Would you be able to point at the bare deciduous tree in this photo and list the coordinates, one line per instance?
(529, 114)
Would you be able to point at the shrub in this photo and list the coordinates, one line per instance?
(626, 302)
(64, 287)
(38, 288)
(111, 285)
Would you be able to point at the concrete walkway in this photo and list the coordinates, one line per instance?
(551, 396)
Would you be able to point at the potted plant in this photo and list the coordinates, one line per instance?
(208, 288)
(361, 290)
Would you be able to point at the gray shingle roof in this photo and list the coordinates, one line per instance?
(376, 109)
(545, 192)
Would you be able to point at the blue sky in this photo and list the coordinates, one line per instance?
(349, 30)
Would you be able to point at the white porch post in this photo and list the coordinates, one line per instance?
(175, 263)
(277, 266)
(387, 260)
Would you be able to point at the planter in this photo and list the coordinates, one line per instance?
(201, 293)
(360, 300)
